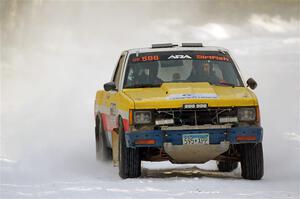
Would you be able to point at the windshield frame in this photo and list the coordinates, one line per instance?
(234, 66)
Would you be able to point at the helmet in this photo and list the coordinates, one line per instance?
(199, 66)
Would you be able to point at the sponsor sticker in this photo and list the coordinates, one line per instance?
(193, 96)
(228, 119)
(212, 57)
(180, 57)
(146, 58)
(194, 106)
(164, 121)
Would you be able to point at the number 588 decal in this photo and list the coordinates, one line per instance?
(146, 58)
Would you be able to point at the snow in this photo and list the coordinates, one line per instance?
(159, 180)
(56, 54)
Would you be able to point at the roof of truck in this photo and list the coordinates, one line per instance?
(174, 47)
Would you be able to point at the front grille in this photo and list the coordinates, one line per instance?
(195, 116)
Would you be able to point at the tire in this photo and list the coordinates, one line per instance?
(252, 161)
(129, 158)
(103, 152)
(227, 166)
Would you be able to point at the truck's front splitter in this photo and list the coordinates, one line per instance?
(156, 138)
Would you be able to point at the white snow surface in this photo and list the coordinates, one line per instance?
(159, 180)
(56, 54)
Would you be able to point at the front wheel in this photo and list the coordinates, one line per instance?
(252, 161)
(129, 158)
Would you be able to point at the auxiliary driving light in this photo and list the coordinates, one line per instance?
(246, 114)
(142, 117)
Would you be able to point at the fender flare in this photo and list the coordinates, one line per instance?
(99, 117)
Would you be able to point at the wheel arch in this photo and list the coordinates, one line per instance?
(99, 119)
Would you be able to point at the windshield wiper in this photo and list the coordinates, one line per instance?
(225, 84)
(144, 85)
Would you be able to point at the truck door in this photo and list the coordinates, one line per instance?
(112, 99)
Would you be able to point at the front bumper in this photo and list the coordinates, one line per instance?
(216, 136)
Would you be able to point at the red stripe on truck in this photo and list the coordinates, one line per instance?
(108, 126)
(126, 125)
(104, 122)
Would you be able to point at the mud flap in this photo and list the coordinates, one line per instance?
(115, 148)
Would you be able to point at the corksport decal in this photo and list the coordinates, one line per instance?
(212, 57)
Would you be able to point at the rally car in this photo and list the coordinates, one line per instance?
(185, 104)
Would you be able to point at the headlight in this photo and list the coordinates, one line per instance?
(246, 114)
(142, 117)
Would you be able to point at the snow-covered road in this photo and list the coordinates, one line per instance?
(159, 180)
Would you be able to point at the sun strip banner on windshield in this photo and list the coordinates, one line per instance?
(179, 55)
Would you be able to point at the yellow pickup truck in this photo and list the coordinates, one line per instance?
(184, 104)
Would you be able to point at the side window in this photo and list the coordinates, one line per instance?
(117, 74)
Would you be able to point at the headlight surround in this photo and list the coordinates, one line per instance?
(142, 117)
(247, 114)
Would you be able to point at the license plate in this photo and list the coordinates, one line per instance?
(195, 138)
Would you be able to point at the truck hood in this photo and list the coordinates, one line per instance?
(174, 95)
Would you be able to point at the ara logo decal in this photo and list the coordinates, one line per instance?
(179, 57)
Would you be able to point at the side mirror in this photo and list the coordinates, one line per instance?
(110, 86)
(251, 83)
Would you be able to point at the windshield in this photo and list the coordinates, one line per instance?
(153, 69)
